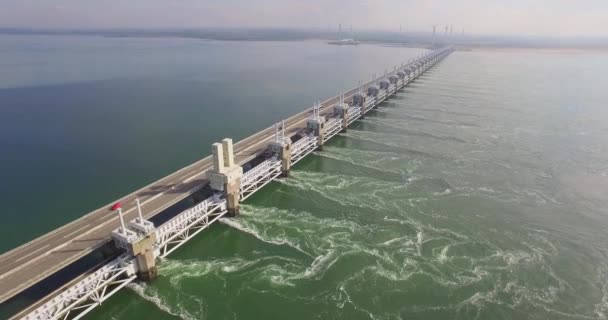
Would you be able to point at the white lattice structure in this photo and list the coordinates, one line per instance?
(259, 176)
(354, 113)
(303, 147)
(175, 232)
(370, 102)
(381, 96)
(332, 127)
(86, 294)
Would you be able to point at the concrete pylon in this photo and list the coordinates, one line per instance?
(341, 108)
(316, 124)
(282, 148)
(138, 239)
(226, 175)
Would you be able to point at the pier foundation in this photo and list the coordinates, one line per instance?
(143, 250)
(283, 150)
(138, 238)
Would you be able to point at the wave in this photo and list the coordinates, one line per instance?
(348, 191)
(151, 295)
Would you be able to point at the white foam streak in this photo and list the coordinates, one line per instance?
(236, 224)
(149, 294)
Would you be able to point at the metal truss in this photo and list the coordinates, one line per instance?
(86, 294)
(370, 103)
(175, 232)
(259, 176)
(382, 94)
(392, 88)
(353, 114)
(303, 147)
(332, 127)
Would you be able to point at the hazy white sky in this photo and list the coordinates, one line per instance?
(531, 17)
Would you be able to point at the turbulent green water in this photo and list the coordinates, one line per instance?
(477, 192)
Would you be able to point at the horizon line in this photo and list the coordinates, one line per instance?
(4, 29)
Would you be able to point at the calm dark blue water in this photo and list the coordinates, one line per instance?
(477, 192)
(85, 120)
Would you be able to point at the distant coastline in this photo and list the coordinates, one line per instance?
(389, 38)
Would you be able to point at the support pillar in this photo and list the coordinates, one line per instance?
(143, 250)
(342, 110)
(316, 124)
(363, 106)
(282, 148)
(232, 198)
(138, 239)
(226, 175)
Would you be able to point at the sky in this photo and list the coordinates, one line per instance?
(491, 17)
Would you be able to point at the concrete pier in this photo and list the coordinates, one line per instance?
(143, 250)
(316, 124)
(282, 148)
(341, 110)
(226, 175)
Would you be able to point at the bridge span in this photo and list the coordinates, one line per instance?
(230, 175)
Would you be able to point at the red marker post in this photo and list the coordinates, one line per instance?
(118, 206)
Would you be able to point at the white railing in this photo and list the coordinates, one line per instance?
(392, 88)
(175, 232)
(381, 95)
(369, 103)
(332, 127)
(303, 147)
(259, 176)
(353, 114)
(86, 294)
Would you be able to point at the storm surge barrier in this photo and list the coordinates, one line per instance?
(229, 176)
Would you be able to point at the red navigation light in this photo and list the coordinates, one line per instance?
(116, 206)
